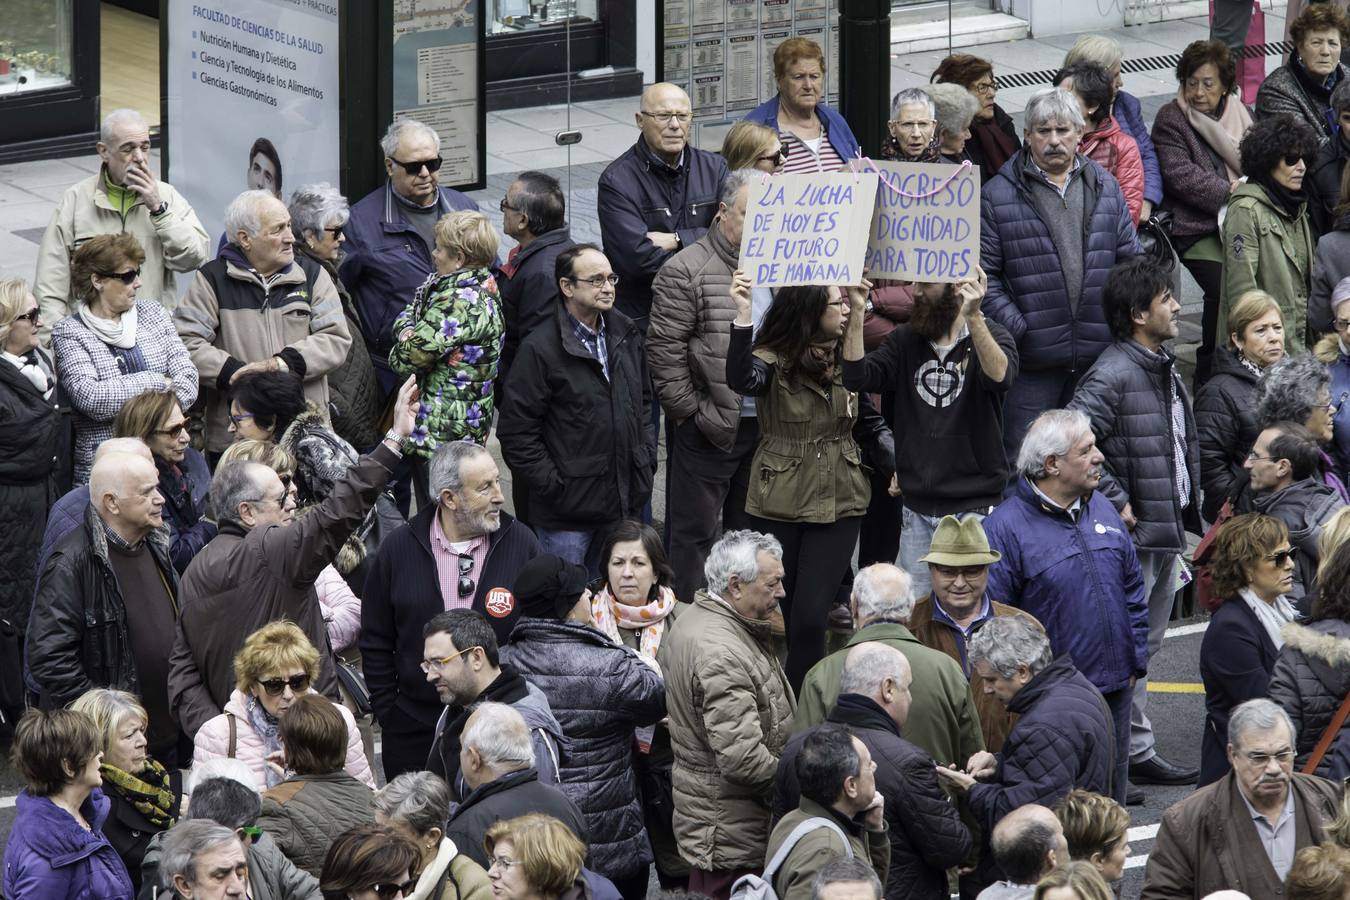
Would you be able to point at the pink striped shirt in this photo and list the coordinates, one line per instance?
(447, 565)
(800, 159)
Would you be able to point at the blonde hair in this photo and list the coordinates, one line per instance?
(745, 143)
(13, 292)
(109, 709)
(266, 453)
(1092, 823)
(548, 853)
(1080, 877)
(1095, 48)
(1251, 306)
(469, 233)
(275, 646)
(1335, 531)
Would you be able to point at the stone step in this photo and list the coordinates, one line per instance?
(966, 31)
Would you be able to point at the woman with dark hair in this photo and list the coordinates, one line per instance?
(184, 478)
(807, 483)
(636, 607)
(1267, 241)
(373, 862)
(264, 404)
(993, 134)
(1253, 570)
(264, 168)
(1197, 137)
(1301, 88)
(1103, 140)
(1312, 672)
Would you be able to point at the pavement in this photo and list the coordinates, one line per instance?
(523, 139)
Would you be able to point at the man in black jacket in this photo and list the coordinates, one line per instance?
(106, 602)
(1141, 415)
(576, 421)
(534, 216)
(947, 372)
(495, 762)
(462, 552)
(1323, 179)
(927, 836)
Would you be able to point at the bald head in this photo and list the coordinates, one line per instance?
(124, 491)
(664, 118)
(127, 445)
(881, 673)
(1029, 842)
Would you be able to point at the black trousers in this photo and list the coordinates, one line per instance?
(1209, 275)
(402, 751)
(701, 482)
(815, 558)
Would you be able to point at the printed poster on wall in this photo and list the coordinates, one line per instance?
(252, 97)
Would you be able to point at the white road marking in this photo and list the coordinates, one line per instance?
(1182, 630)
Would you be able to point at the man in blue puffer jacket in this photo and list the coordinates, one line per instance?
(1052, 225)
(1069, 561)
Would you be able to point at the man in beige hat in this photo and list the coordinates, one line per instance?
(958, 565)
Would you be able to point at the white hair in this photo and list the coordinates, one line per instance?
(732, 184)
(737, 553)
(221, 767)
(1101, 49)
(116, 119)
(1053, 105)
(499, 734)
(1052, 433)
(184, 842)
(869, 664)
(244, 214)
(398, 128)
(422, 799)
(447, 465)
(1257, 715)
(1007, 642)
(314, 207)
(883, 591)
(913, 96)
(955, 106)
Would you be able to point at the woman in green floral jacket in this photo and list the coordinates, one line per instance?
(450, 336)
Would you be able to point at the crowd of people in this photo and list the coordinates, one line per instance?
(267, 629)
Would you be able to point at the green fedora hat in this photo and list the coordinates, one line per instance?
(957, 543)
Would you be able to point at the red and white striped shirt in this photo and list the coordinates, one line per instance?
(801, 158)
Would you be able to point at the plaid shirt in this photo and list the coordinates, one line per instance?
(593, 341)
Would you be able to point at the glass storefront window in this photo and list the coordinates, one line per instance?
(523, 15)
(35, 45)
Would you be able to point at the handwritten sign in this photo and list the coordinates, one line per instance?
(807, 229)
(926, 226)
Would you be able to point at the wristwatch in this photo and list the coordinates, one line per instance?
(161, 209)
(393, 437)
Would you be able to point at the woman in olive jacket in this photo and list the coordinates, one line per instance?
(808, 486)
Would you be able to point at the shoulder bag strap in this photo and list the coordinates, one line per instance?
(1324, 744)
(234, 735)
(796, 835)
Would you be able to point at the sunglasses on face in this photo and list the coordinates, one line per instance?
(390, 891)
(335, 231)
(184, 427)
(1292, 159)
(33, 315)
(415, 167)
(776, 158)
(1280, 557)
(126, 277)
(297, 683)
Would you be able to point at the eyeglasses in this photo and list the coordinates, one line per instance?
(1251, 455)
(968, 572)
(504, 206)
(1283, 757)
(1338, 324)
(297, 683)
(465, 585)
(776, 158)
(501, 862)
(126, 277)
(1292, 159)
(1207, 83)
(985, 87)
(598, 281)
(427, 665)
(390, 891)
(920, 125)
(666, 118)
(184, 427)
(241, 418)
(415, 166)
(33, 315)
(249, 834)
(1280, 557)
(1330, 406)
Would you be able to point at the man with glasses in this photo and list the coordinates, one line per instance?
(125, 196)
(1142, 418)
(258, 307)
(460, 553)
(576, 424)
(1283, 477)
(262, 566)
(657, 198)
(390, 236)
(1243, 831)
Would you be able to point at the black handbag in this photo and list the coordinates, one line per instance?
(1155, 239)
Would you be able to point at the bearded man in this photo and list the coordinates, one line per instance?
(947, 372)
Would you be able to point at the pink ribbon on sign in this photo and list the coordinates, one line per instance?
(960, 170)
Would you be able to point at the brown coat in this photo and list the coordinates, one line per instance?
(1209, 843)
(995, 720)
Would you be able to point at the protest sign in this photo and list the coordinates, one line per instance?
(807, 229)
(926, 226)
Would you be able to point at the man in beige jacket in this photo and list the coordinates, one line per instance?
(123, 196)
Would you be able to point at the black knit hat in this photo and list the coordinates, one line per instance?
(548, 587)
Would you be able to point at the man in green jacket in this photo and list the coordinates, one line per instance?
(837, 778)
(943, 721)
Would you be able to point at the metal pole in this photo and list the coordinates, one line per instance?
(865, 69)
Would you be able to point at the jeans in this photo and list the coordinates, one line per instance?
(1031, 394)
(1160, 569)
(916, 537)
(580, 547)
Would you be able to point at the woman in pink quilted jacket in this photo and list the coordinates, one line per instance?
(277, 664)
(1103, 141)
